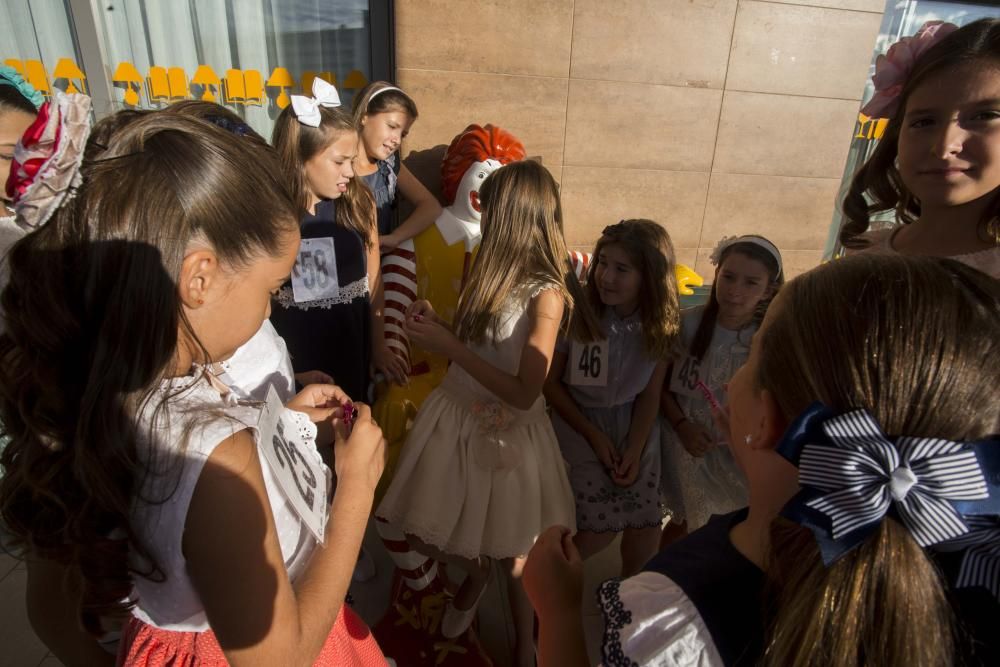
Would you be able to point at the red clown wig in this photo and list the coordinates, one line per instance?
(476, 144)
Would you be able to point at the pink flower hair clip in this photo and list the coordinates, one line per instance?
(893, 69)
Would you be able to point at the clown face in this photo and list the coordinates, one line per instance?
(466, 206)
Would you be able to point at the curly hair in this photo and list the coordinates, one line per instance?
(651, 251)
(878, 186)
(94, 316)
(476, 143)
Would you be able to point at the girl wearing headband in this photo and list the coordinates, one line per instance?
(700, 477)
(865, 420)
(384, 115)
(937, 166)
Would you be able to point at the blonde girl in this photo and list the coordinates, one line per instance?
(330, 312)
(605, 397)
(938, 162)
(480, 474)
(384, 115)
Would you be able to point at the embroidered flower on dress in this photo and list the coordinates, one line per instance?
(492, 416)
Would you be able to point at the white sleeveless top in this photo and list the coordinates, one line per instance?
(261, 362)
(160, 511)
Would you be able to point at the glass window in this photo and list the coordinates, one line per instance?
(249, 56)
(38, 42)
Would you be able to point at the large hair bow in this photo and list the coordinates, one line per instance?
(307, 108)
(46, 166)
(852, 475)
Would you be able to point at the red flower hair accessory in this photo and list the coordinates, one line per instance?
(893, 69)
(46, 165)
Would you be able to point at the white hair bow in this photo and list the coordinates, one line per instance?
(307, 108)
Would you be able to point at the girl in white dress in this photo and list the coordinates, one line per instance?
(481, 473)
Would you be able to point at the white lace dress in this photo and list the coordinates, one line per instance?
(477, 476)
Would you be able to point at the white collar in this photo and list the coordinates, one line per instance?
(454, 229)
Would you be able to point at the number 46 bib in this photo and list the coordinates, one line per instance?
(314, 276)
(588, 364)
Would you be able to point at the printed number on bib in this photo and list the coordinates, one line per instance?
(685, 376)
(589, 364)
(304, 480)
(314, 276)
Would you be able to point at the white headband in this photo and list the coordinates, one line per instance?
(379, 92)
(726, 241)
(307, 108)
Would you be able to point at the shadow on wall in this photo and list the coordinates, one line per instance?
(426, 166)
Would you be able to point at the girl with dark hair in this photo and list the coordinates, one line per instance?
(605, 396)
(700, 477)
(156, 493)
(937, 165)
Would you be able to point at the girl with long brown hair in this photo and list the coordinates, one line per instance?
(160, 497)
(605, 396)
(481, 474)
(330, 311)
(865, 420)
(937, 165)
(384, 115)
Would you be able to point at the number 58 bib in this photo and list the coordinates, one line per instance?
(314, 276)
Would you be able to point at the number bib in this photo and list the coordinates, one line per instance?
(304, 480)
(685, 376)
(314, 276)
(589, 364)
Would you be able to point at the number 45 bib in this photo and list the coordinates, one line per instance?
(588, 364)
(314, 276)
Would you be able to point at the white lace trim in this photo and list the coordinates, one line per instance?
(348, 293)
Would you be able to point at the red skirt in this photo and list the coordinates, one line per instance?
(349, 643)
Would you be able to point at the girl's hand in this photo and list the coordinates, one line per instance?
(388, 243)
(430, 335)
(359, 458)
(553, 574)
(605, 451)
(320, 402)
(390, 364)
(696, 440)
(313, 377)
(424, 310)
(627, 470)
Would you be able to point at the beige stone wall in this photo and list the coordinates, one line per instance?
(713, 117)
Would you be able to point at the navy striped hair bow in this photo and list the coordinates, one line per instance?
(852, 475)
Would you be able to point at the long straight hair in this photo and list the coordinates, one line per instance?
(297, 144)
(522, 245)
(914, 341)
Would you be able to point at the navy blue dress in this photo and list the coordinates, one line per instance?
(382, 183)
(330, 334)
